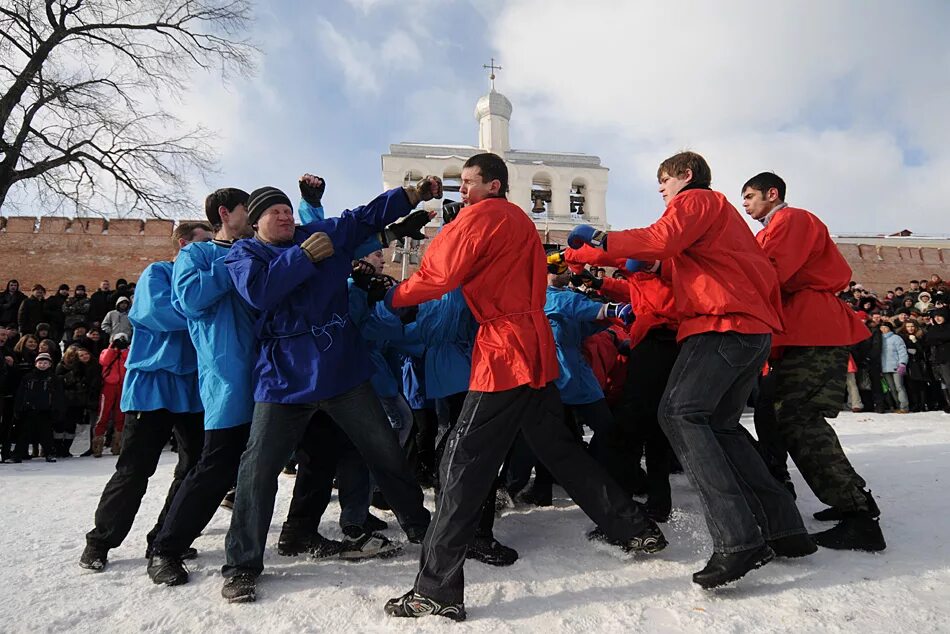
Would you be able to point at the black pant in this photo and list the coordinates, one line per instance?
(768, 442)
(473, 454)
(144, 437)
(7, 426)
(34, 427)
(202, 489)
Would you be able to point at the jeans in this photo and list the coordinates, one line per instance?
(143, 439)
(399, 415)
(704, 398)
(895, 384)
(854, 395)
(276, 431)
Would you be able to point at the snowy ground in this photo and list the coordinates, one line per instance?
(561, 583)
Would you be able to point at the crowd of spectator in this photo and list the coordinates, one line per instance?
(63, 359)
(905, 365)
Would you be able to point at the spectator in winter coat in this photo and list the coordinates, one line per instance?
(10, 301)
(918, 374)
(937, 341)
(923, 302)
(117, 321)
(32, 310)
(51, 348)
(76, 311)
(38, 405)
(894, 365)
(94, 341)
(112, 362)
(53, 311)
(79, 378)
(99, 303)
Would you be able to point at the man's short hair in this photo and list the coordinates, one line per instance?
(765, 181)
(677, 165)
(186, 230)
(914, 282)
(227, 197)
(492, 167)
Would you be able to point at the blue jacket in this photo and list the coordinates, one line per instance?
(310, 349)
(377, 326)
(893, 352)
(309, 213)
(161, 370)
(221, 325)
(572, 318)
(448, 330)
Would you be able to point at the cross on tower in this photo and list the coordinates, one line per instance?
(493, 69)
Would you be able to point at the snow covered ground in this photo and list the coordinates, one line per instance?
(561, 583)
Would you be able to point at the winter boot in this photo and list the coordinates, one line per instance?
(358, 544)
(167, 570)
(116, 443)
(296, 538)
(724, 568)
(488, 551)
(791, 546)
(94, 558)
(834, 514)
(536, 495)
(241, 588)
(97, 444)
(412, 605)
(649, 541)
(855, 531)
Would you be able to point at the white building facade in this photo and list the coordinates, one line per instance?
(557, 190)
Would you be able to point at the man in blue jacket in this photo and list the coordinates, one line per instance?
(312, 358)
(160, 395)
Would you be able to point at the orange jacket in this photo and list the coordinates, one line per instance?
(609, 366)
(811, 271)
(492, 250)
(720, 276)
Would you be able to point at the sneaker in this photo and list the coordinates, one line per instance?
(853, 532)
(167, 570)
(835, 514)
(50, 458)
(228, 501)
(658, 515)
(366, 545)
(241, 588)
(374, 524)
(792, 546)
(724, 568)
(598, 535)
(414, 605)
(488, 551)
(649, 541)
(322, 547)
(94, 558)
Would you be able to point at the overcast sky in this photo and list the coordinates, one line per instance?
(847, 101)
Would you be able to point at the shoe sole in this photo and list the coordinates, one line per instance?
(92, 567)
(244, 598)
(379, 554)
(180, 581)
(758, 564)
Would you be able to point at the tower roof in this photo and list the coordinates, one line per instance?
(493, 104)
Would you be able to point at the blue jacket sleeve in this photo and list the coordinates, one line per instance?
(199, 280)
(264, 284)
(309, 213)
(152, 308)
(356, 226)
(374, 323)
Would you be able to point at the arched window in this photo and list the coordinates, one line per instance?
(578, 198)
(540, 194)
(412, 177)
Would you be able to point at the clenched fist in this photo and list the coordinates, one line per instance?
(426, 189)
(317, 247)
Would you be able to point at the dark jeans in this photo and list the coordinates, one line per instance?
(473, 454)
(276, 430)
(704, 398)
(202, 490)
(144, 437)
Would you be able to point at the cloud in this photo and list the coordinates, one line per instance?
(839, 98)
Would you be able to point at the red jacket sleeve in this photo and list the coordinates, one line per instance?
(616, 290)
(786, 243)
(684, 221)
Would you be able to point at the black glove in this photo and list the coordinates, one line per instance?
(377, 287)
(408, 227)
(586, 277)
(450, 209)
(312, 193)
(362, 273)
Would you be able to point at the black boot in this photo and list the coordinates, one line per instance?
(167, 570)
(537, 495)
(855, 531)
(726, 567)
(834, 514)
(295, 538)
(488, 551)
(241, 588)
(94, 558)
(790, 546)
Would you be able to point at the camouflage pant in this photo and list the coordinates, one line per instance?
(810, 387)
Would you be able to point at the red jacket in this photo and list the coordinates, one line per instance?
(720, 276)
(811, 270)
(651, 299)
(492, 250)
(112, 363)
(609, 366)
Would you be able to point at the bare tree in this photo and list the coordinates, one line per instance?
(85, 86)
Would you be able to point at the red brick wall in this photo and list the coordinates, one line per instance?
(85, 250)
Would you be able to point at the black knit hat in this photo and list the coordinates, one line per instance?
(263, 198)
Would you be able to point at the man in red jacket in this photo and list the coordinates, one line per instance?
(728, 304)
(811, 361)
(492, 251)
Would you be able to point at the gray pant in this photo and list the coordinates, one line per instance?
(895, 384)
(276, 430)
(704, 398)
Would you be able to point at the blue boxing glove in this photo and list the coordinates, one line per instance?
(639, 265)
(586, 234)
(406, 315)
(623, 312)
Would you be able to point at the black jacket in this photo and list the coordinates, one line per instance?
(40, 392)
(32, 312)
(10, 306)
